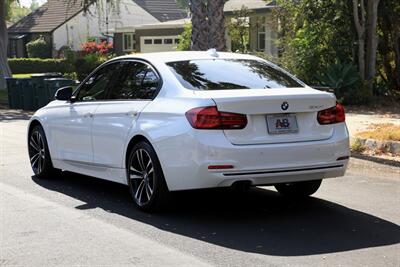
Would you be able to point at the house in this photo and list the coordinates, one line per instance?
(163, 36)
(66, 23)
(153, 37)
(262, 27)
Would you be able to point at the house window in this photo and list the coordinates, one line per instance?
(157, 41)
(168, 41)
(128, 41)
(148, 41)
(261, 35)
(176, 41)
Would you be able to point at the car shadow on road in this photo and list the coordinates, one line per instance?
(257, 221)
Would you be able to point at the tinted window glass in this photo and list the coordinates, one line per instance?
(167, 41)
(220, 74)
(95, 87)
(137, 81)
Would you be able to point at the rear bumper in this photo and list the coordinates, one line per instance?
(185, 160)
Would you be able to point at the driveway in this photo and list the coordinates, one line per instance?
(73, 219)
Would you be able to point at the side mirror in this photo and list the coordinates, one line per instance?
(64, 93)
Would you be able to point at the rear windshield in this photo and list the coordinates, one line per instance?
(224, 74)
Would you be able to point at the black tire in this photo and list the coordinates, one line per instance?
(298, 189)
(39, 154)
(146, 180)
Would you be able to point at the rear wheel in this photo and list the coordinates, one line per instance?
(39, 154)
(299, 189)
(145, 178)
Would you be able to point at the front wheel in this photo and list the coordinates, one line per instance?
(39, 154)
(299, 189)
(145, 178)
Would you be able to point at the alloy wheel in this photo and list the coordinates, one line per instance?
(141, 175)
(37, 152)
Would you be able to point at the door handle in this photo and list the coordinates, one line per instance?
(132, 113)
(88, 115)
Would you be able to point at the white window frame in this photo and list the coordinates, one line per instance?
(261, 30)
(130, 44)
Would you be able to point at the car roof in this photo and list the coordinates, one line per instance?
(166, 57)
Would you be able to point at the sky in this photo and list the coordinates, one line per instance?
(27, 3)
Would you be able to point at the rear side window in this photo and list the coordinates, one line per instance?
(225, 74)
(137, 81)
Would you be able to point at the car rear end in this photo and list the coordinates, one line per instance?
(262, 126)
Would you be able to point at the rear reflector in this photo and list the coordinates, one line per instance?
(211, 118)
(219, 167)
(331, 115)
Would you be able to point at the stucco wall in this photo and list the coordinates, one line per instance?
(93, 24)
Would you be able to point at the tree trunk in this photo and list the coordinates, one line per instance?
(216, 20)
(4, 68)
(396, 45)
(359, 23)
(200, 27)
(372, 40)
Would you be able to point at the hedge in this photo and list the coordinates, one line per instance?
(37, 65)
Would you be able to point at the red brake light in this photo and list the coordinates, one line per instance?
(211, 118)
(331, 115)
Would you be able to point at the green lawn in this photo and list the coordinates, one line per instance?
(25, 75)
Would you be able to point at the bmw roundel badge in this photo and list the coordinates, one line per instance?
(285, 105)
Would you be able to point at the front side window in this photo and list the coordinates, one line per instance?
(95, 87)
(137, 81)
(226, 74)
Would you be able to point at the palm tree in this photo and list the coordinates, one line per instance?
(208, 24)
(200, 27)
(216, 21)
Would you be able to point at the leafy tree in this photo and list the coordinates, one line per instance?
(313, 35)
(17, 12)
(239, 30)
(185, 38)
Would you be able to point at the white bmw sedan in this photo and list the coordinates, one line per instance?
(162, 122)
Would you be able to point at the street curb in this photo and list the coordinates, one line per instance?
(392, 147)
(379, 160)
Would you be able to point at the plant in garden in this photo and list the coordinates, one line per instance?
(344, 79)
(92, 47)
(239, 30)
(38, 48)
(85, 65)
(184, 38)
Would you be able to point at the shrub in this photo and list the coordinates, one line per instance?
(37, 65)
(102, 48)
(345, 80)
(38, 48)
(185, 38)
(85, 65)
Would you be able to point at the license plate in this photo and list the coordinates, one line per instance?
(282, 123)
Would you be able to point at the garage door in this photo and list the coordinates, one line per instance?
(158, 44)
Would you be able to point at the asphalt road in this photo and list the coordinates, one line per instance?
(77, 220)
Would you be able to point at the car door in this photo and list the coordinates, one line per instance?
(71, 126)
(136, 87)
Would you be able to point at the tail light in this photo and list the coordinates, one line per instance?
(211, 118)
(331, 115)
